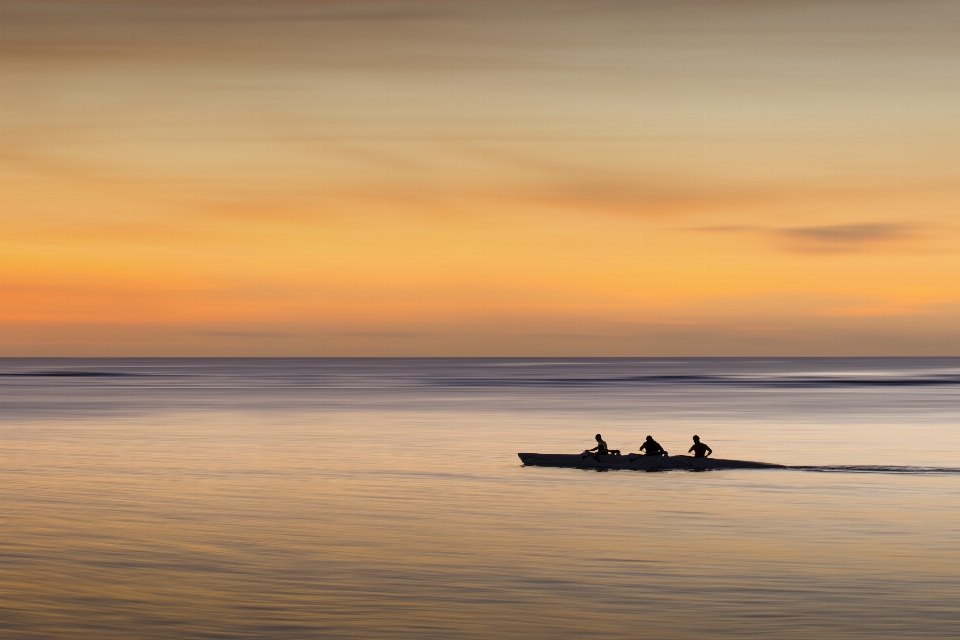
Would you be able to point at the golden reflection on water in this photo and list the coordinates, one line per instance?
(419, 521)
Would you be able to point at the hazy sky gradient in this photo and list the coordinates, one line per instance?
(479, 178)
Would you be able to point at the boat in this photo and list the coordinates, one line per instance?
(637, 462)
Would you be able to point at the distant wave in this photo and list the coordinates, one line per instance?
(69, 374)
(880, 469)
(782, 382)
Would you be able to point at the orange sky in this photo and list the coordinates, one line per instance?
(479, 178)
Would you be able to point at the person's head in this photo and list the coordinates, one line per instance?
(696, 438)
(649, 438)
(598, 437)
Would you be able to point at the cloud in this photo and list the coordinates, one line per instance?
(825, 239)
(842, 238)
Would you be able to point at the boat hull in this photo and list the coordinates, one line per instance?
(638, 463)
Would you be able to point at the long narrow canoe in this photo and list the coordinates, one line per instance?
(638, 462)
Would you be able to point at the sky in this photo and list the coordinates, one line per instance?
(499, 178)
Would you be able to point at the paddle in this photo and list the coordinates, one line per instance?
(654, 455)
(595, 455)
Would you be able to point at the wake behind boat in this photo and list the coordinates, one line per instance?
(638, 463)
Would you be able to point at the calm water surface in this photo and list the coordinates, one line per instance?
(384, 498)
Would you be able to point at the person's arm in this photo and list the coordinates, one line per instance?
(709, 451)
(691, 449)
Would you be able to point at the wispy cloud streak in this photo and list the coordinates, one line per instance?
(844, 237)
(838, 238)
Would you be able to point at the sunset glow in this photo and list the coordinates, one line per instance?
(479, 178)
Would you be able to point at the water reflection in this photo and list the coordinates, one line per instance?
(360, 499)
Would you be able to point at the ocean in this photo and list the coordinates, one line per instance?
(383, 498)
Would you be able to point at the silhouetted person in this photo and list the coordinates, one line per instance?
(652, 448)
(699, 449)
(601, 448)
